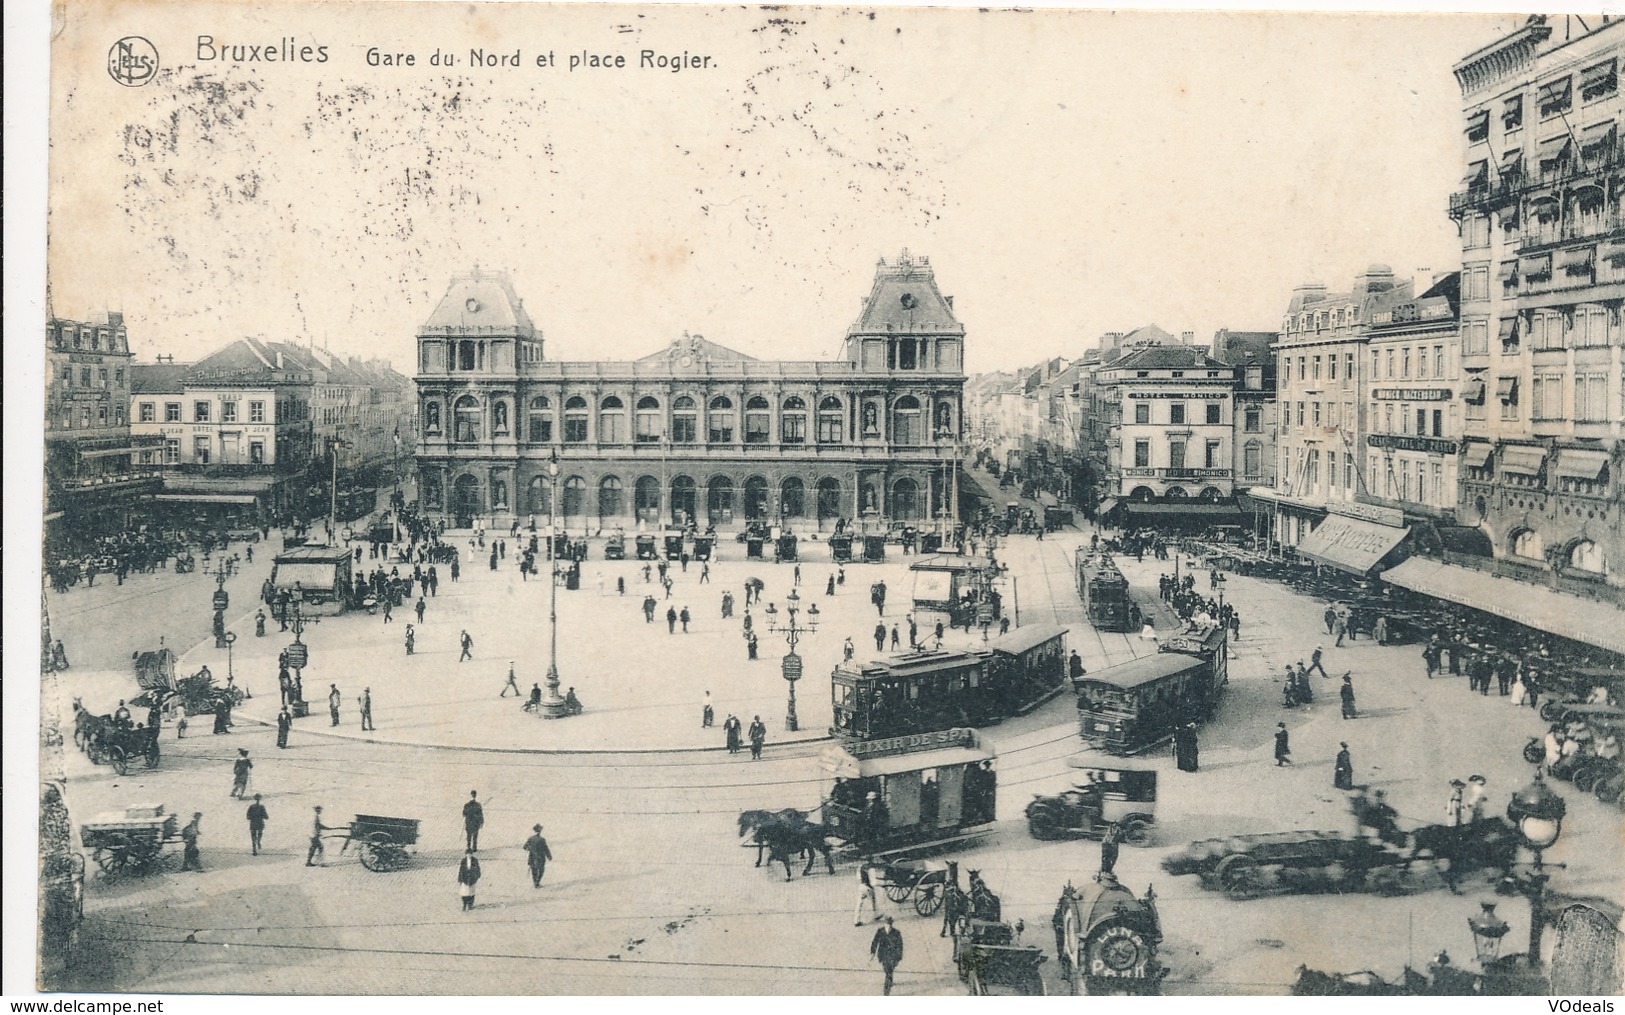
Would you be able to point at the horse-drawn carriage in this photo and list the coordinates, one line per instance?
(106, 740)
(988, 951)
(131, 841)
(615, 546)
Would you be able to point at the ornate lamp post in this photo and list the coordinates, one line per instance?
(553, 705)
(791, 666)
(221, 602)
(1488, 930)
(395, 497)
(333, 508)
(1538, 814)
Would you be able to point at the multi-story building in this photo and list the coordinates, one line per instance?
(364, 404)
(1543, 277)
(694, 431)
(1413, 416)
(93, 467)
(1169, 450)
(1251, 353)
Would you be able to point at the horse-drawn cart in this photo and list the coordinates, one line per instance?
(381, 842)
(922, 882)
(129, 841)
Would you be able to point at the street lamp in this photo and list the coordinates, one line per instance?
(791, 666)
(553, 705)
(230, 639)
(333, 516)
(1537, 812)
(221, 602)
(395, 501)
(1488, 930)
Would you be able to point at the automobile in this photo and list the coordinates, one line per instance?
(1101, 796)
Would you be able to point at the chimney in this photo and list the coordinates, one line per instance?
(279, 359)
(115, 318)
(1187, 338)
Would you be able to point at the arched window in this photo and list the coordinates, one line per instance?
(905, 421)
(611, 421)
(541, 420)
(758, 422)
(648, 420)
(793, 421)
(1587, 556)
(685, 425)
(575, 422)
(499, 418)
(684, 500)
(1176, 493)
(719, 501)
(829, 498)
(905, 500)
(647, 499)
(1211, 494)
(792, 498)
(719, 421)
(1528, 543)
(756, 496)
(575, 498)
(538, 497)
(609, 499)
(431, 418)
(830, 416)
(466, 417)
(1141, 493)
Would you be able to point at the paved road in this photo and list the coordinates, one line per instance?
(650, 892)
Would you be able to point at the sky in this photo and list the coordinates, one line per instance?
(1067, 173)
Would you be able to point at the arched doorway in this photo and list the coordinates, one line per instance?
(719, 501)
(575, 501)
(609, 501)
(646, 495)
(829, 498)
(684, 501)
(756, 506)
(466, 504)
(538, 497)
(793, 498)
(905, 500)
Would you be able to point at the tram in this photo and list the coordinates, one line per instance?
(1130, 707)
(1105, 593)
(928, 788)
(918, 692)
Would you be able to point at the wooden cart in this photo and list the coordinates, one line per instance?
(131, 841)
(382, 841)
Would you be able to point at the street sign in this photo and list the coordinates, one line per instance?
(222, 599)
(792, 667)
(298, 655)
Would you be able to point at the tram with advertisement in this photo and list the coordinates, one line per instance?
(1132, 706)
(927, 789)
(1105, 593)
(917, 692)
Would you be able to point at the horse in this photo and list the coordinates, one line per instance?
(782, 834)
(87, 726)
(1488, 843)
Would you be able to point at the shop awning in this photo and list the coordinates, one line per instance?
(1544, 609)
(1352, 544)
(1578, 463)
(1106, 506)
(208, 498)
(1579, 259)
(1522, 459)
(1512, 163)
(1478, 173)
(1477, 454)
(1191, 507)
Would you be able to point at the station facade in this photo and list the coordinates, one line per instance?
(695, 432)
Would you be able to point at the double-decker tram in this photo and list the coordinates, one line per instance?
(1105, 593)
(1127, 708)
(922, 691)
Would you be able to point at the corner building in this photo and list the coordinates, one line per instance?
(694, 432)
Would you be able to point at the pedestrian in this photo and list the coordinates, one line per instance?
(1503, 677)
(866, 891)
(222, 714)
(758, 736)
(913, 633)
(1342, 629)
(239, 773)
(257, 817)
(1004, 625)
(683, 618)
(1347, 694)
(284, 723)
(259, 623)
(895, 640)
(1474, 803)
(191, 858)
(797, 579)
(1110, 843)
(730, 729)
(939, 634)
(1315, 663)
(880, 637)
(1343, 768)
(829, 587)
(365, 701)
(536, 855)
(333, 699)
(887, 948)
(468, 646)
(420, 609)
(473, 820)
(388, 607)
(671, 620)
(1379, 630)
(411, 640)
(1453, 810)
(1186, 747)
(707, 714)
(847, 651)
(1283, 748)
(750, 646)
(468, 870)
(512, 683)
(1330, 617)
(705, 574)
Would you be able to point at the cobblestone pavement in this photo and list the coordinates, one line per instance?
(650, 892)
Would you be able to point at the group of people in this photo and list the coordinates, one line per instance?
(756, 733)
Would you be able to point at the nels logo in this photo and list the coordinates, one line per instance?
(133, 61)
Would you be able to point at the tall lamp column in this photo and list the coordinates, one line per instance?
(553, 705)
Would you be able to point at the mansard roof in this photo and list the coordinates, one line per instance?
(905, 299)
(480, 303)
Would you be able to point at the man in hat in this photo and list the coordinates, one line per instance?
(284, 723)
(1453, 806)
(887, 948)
(1475, 800)
(317, 849)
(473, 820)
(191, 858)
(537, 854)
(366, 709)
(333, 699)
(257, 817)
(1283, 749)
(1343, 769)
(1331, 618)
(1315, 664)
(239, 773)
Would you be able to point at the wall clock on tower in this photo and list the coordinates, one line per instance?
(473, 305)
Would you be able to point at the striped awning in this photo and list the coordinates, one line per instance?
(1522, 459)
(1545, 609)
(1580, 463)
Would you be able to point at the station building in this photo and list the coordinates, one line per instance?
(694, 432)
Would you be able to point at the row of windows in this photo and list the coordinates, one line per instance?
(1310, 367)
(1429, 422)
(1333, 416)
(683, 496)
(1301, 468)
(1547, 397)
(97, 338)
(202, 411)
(86, 376)
(1320, 320)
(85, 416)
(1396, 481)
(1176, 454)
(1213, 412)
(1395, 363)
(1554, 98)
(231, 451)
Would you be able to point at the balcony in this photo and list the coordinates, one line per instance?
(1507, 188)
